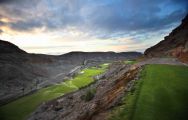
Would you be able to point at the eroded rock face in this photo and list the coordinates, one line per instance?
(175, 44)
(109, 92)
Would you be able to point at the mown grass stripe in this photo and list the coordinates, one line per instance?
(163, 95)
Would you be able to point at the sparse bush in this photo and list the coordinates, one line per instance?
(90, 94)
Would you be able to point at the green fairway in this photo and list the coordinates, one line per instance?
(161, 94)
(130, 62)
(19, 109)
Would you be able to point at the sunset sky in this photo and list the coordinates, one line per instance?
(60, 26)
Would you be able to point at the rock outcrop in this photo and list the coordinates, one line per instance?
(174, 45)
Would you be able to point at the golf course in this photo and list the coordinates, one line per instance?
(161, 93)
(21, 108)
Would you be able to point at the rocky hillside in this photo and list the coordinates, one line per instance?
(7, 47)
(22, 73)
(99, 56)
(175, 44)
(109, 90)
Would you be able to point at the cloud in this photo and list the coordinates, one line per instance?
(2, 23)
(107, 20)
(8, 1)
(102, 15)
(1, 31)
(26, 25)
(131, 17)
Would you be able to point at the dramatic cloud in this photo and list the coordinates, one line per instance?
(93, 19)
(1, 31)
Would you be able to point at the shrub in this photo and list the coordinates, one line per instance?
(90, 94)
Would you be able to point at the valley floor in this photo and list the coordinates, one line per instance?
(21, 108)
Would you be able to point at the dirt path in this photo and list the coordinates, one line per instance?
(169, 61)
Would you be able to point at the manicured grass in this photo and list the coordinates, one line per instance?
(86, 78)
(130, 62)
(162, 94)
(105, 65)
(21, 108)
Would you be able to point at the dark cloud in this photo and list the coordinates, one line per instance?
(2, 23)
(26, 25)
(99, 16)
(8, 1)
(18, 2)
(141, 16)
(1, 31)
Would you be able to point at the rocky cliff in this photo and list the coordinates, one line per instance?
(174, 45)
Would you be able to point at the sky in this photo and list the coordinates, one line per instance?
(61, 26)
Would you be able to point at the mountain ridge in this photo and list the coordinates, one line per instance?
(173, 45)
(8, 47)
